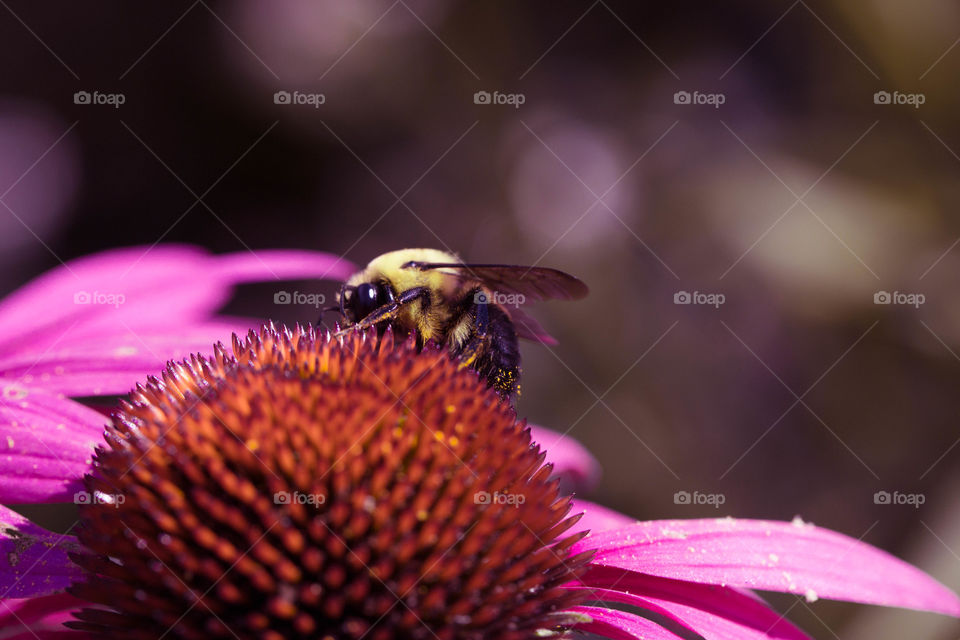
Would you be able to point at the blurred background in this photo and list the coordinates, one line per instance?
(762, 196)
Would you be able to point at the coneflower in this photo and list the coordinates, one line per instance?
(303, 488)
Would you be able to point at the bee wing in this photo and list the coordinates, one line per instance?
(528, 328)
(534, 283)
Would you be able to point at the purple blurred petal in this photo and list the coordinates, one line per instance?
(33, 561)
(777, 556)
(568, 456)
(715, 612)
(41, 617)
(163, 283)
(167, 286)
(46, 443)
(620, 625)
(113, 364)
(282, 264)
(597, 518)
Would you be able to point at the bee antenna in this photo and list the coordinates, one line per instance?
(327, 310)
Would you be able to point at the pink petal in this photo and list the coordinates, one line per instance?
(34, 561)
(42, 617)
(777, 556)
(111, 364)
(46, 443)
(715, 612)
(142, 287)
(597, 518)
(569, 457)
(620, 625)
(282, 264)
(166, 282)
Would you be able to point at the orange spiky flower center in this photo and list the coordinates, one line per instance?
(308, 487)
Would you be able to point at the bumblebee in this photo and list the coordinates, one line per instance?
(471, 309)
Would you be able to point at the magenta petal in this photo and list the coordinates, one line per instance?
(139, 287)
(165, 282)
(597, 518)
(620, 625)
(41, 617)
(715, 612)
(777, 556)
(569, 457)
(46, 443)
(282, 264)
(34, 561)
(111, 364)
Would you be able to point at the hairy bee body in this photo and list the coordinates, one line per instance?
(434, 296)
(430, 319)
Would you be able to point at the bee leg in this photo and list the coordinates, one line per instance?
(390, 310)
(473, 349)
(478, 343)
(492, 347)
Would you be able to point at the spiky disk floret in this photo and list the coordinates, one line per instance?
(306, 487)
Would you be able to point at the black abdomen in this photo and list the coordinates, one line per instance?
(499, 363)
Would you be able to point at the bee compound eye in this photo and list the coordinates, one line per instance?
(364, 300)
